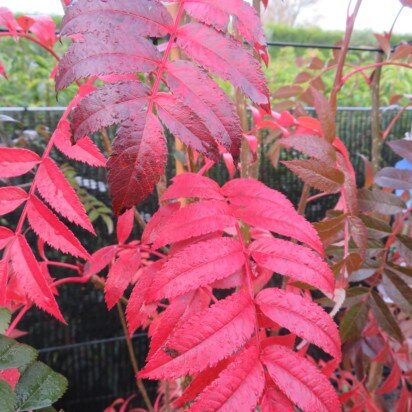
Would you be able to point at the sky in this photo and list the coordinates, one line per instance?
(377, 15)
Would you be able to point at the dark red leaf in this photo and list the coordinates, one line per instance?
(137, 162)
(5, 236)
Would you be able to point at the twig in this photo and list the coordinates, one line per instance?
(133, 359)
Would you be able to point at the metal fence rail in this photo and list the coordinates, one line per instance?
(91, 352)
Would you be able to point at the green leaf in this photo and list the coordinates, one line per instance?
(5, 317)
(380, 202)
(398, 290)
(354, 321)
(14, 354)
(7, 399)
(384, 317)
(39, 387)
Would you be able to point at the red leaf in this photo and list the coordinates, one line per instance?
(7, 20)
(238, 387)
(204, 339)
(269, 210)
(125, 226)
(43, 28)
(31, 277)
(201, 381)
(179, 310)
(217, 53)
(297, 262)
(99, 260)
(302, 317)
(5, 236)
(109, 105)
(83, 151)
(147, 18)
(196, 219)
(197, 265)
(192, 185)
(392, 381)
(102, 54)
(194, 88)
(11, 376)
(217, 14)
(325, 114)
(16, 162)
(300, 380)
(157, 221)
(57, 191)
(186, 125)
(137, 162)
(49, 228)
(11, 198)
(274, 400)
(3, 70)
(120, 275)
(135, 311)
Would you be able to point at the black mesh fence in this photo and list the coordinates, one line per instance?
(91, 351)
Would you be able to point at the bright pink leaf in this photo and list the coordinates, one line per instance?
(136, 313)
(274, 400)
(11, 198)
(297, 262)
(8, 20)
(192, 185)
(302, 317)
(269, 210)
(196, 219)
(99, 260)
(124, 226)
(205, 339)
(32, 278)
(60, 195)
(83, 151)
(120, 275)
(16, 162)
(238, 387)
(5, 236)
(197, 265)
(300, 380)
(49, 228)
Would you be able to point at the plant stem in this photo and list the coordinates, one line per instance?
(133, 359)
(350, 23)
(303, 199)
